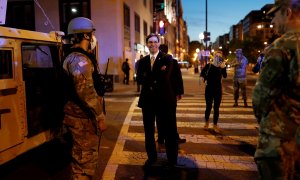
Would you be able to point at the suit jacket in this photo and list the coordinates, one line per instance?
(161, 84)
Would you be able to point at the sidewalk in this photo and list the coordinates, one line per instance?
(121, 89)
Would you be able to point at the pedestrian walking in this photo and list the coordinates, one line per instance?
(126, 69)
(84, 114)
(276, 98)
(212, 74)
(239, 77)
(179, 91)
(158, 101)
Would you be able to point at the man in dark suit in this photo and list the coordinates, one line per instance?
(177, 85)
(157, 100)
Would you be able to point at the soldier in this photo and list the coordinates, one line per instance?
(276, 98)
(239, 77)
(84, 115)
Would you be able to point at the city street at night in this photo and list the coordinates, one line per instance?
(205, 155)
(149, 89)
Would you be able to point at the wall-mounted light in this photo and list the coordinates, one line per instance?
(73, 10)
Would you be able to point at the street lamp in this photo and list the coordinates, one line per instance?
(201, 36)
(196, 56)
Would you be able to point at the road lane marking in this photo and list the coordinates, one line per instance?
(198, 109)
(201, 115)
(201, 139)
(111, 168)
(225, 162)
(203, 161)
(201, 124)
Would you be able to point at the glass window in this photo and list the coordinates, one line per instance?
(42, 77)
(137, 22)
(145, 28)
(36, 56)
(126, 16)
(70, 9)
(6, 71)
(20, 14)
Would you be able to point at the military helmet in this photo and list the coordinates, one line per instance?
(80, 25)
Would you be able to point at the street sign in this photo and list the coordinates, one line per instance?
(3, 6)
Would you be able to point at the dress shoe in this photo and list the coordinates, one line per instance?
(235, 104)
(161, 147)
(181, 140)
(148, 163)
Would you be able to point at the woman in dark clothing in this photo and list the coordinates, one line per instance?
(212, 74)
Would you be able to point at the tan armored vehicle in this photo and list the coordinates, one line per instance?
(30, 90)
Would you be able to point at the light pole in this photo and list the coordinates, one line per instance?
(205, 22)
(177, 30)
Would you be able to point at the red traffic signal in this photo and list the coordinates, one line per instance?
(161, 25)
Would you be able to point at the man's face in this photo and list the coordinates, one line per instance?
(153, 44)
(279, 21)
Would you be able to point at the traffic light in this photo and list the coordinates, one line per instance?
(206, 36)
(159, 6)
(161, 25)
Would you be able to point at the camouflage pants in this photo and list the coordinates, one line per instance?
(274, 168)
(237, 85)
(285, 167)
(85, 147)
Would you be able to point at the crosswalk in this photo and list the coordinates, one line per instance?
(230, 151)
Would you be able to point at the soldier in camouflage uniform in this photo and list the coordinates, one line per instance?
(276, 98)
(84, 116)
(239, 77)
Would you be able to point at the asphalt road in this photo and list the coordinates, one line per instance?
(205, 155)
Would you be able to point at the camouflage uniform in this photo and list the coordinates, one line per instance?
(81, 118)
(239, 78)
(276, 104)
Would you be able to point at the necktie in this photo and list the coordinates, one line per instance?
(152, 61)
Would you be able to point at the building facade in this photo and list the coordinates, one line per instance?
(121, 25)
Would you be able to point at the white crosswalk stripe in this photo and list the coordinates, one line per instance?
(192, 108)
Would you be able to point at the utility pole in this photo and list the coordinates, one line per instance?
(177, 43)
(205, 22)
